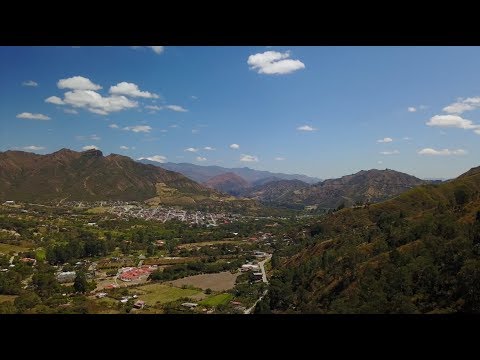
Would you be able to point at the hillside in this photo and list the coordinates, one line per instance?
(202, 174)
(416, 253)
(89, 175)
(364, 186)
(229, 183)
(279, 192)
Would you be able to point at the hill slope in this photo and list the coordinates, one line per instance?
(229, 183)
(416, 253)
(89, 175)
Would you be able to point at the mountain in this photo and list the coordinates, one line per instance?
(416, 253)
(364, 186)
(89, 176)
(279, 192)
(229, 183)
(202, 174)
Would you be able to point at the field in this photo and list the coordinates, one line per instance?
(154, 293)
(216, 300)
(218, 281)
(6, 248)
(10, 298)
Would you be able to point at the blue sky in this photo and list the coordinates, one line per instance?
(320, 111)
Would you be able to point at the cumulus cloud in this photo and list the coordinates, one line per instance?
(463, 105)
(451, 121)
(234, 146)
(138, 128)
(123, 147)
(385, 140)
(177, 108)
(157, 158)
(30, 83)
(278, 158)
(248, 158)
(393, 152)
(199, 158)
(444, 152)
(208, 148)
(153, 107)
(131, 89)
(157, 49)
(273, 62)
(96, 103)
(191, 149)
(411, 109)
(70, 111)
(89, 147)
(30, 116)
(33, 147)
(54, 100)
(306, 128)
(77, 83)
(113, 126)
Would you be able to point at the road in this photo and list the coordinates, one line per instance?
(264, 279)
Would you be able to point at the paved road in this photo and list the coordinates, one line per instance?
(264, 279)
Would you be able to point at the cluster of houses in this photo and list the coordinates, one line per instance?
(130, 274)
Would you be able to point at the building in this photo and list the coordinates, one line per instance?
(9, 202)
(258, 275)
(139, 304)
(66, 276)
(101, 295)
(250, 267)
(190, 305)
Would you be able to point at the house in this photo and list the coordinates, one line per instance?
(258, 275)
(248, 267)
(91, 224)
(101, 295)
(9, 202)
(190, 305)
(66, 276)
(139, 304)
(28, 260)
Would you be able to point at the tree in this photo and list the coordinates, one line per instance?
(208, 291)
(461, 196)
(80, 284)
(26, 301)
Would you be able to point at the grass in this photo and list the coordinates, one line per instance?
(163, 294)
(216, 300)
(10, 298)
(97, 210)
(6, 248)
(40, 254)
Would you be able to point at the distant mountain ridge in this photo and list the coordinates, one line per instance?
(202, 174)
(229, 183)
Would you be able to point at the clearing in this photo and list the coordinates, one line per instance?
(154, 293)
(10, 298)
(217, 281)
(216, 300)
(6, 248)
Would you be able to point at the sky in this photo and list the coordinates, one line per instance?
(320, 111)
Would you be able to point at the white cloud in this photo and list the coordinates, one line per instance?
(393, 152)
(131, 89)
(191, 149)
(379, 162)
(278, 158)
(123, 147)
(96, 103)
(306, 128)
(89, 147)
(138, 128)
(234, 146)
(54, 100)
(273, 62)
(199, 158)
(463, 105)
(177, 108)
(208, 148)
(248, 158)
(30, 116)
(153, 107)
(444, 152)
(30, 83)
(33, 147)
(194, 97)
(77, 83)
(163, 131)
(477, 131)
(412, 109)
(70, 111)
(157, 158)
(157, 49)
(385, 140)
(95, 137)
(451, 121)
(113, 126)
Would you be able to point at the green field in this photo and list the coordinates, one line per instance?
(216, 300)
(163, 294)
(10, 298)
(6, 248)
